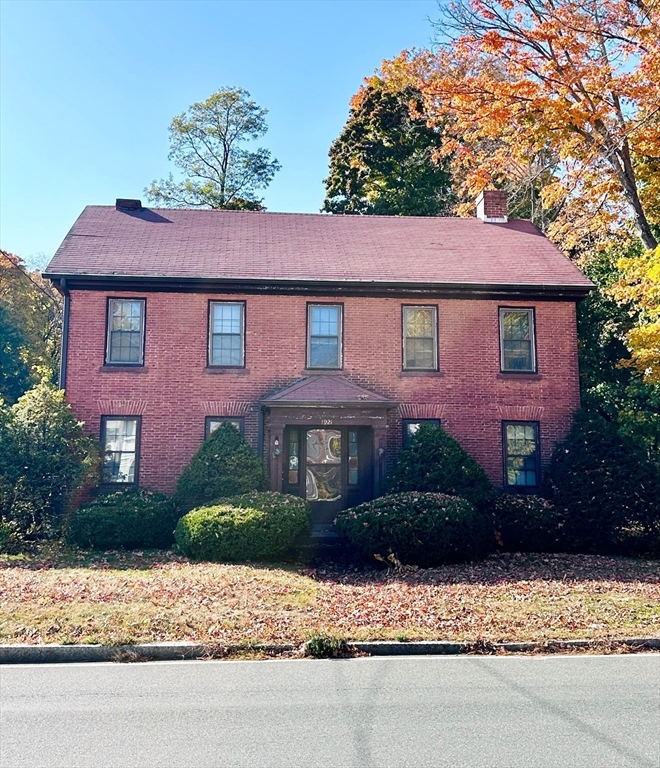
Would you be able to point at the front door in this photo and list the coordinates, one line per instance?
(332, 467)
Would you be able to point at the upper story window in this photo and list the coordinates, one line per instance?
(227, 334)
(522, 454)
(324, 332)
(125, 339)
(120, 440)
(420, 338)
(517, 345)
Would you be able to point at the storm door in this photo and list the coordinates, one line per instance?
(332, 467)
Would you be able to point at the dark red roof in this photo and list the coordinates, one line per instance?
(326, 390)
(310, 247)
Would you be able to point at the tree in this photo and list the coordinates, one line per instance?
(639, 286)
(433, 462)
(30, 328)
(224, 466)
(44, 457)
(206, 142)
(577, 80)
(609, 384)
(383, 160)
(607, 488)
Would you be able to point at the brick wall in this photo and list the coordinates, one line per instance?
(174, 392)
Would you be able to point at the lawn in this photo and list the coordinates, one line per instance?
(115, 598)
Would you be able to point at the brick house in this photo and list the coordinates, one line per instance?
(326, 339)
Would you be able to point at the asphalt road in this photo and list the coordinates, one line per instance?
(595, 711)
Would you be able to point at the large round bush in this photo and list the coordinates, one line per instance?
(223, 467)
(418, 528)
(432, 461)
(527, 523)
(607, 489)
(130, 519)
(254, 526)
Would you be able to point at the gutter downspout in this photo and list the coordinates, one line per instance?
(65, 332)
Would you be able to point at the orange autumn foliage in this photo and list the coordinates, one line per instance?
(568, 87)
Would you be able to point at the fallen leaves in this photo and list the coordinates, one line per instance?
(157, 597)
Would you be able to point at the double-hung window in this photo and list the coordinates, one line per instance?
(522, 454)
(125, 332)
(120, 436)
(324, 334)
(517, 344)
(420, 338)
(227, 334)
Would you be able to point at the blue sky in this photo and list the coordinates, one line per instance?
(88, 89)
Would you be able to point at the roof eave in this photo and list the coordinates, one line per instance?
(164, 283)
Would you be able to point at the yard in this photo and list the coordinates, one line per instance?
(116, 598)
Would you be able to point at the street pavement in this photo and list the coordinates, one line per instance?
(476, 712)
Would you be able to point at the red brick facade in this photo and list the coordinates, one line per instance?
(174, 391)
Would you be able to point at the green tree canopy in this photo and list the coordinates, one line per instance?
(207, 144)
(44, 456)
(30, 328)
(383, 160)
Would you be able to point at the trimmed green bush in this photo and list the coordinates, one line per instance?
(434, 462)
(607, 489)
(417, 528)
(225, 466)
(254, 526)
(527, 523)
(131, 519)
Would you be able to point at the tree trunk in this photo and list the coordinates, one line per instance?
(623, 168)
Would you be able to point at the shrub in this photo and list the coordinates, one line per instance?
(130, 519)
(417, 528)
(223, 467)
(255, 526)
(434, 462)
(606, 487)
(527, 523)
(43, 458)
(12, 540)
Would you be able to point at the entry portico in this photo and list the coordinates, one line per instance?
(327, 438)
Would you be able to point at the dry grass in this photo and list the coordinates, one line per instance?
(57, 597)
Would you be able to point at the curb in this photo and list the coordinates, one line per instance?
(172, 651)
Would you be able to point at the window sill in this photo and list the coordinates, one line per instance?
(318, 371)
(212, 370)
(522, 376)
(406, 374)
(123, 369)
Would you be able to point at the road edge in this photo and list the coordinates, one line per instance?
(174, 651)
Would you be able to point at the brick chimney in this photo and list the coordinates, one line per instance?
(491, 206)
(126, 204)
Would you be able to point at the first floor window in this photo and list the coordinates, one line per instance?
(517, 353)
(213, 422)
(324, 335)
(120, 438)
(522, 454)
(411, 427)
(420, 338)
(227, 334)
(125, 340)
